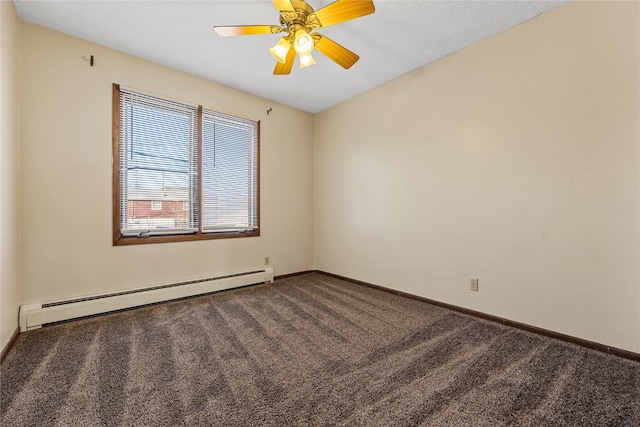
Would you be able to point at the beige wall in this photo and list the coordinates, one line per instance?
(9, 171)
(66, 175)
(515, 161)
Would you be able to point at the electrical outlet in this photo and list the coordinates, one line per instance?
(474, 285)
(266, 260)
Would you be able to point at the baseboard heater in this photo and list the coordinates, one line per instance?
(35, 315)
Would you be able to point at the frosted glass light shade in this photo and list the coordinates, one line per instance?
(303, 42)
(280, 50)
(306, 59)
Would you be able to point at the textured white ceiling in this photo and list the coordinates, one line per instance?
(400, 37)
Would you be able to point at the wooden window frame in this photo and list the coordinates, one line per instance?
(120, 240)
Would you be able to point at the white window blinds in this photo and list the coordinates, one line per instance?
(229, 173)
(158, 165)
(183, 169)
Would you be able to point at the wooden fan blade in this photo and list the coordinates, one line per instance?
(334, 51)
(343, 10)
(286, 67)
(247, 30)
(283, 5)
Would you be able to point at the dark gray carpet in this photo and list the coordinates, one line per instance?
(308, 350)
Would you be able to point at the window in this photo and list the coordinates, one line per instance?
(181, 171)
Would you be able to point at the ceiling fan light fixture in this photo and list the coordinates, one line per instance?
(306, 59)
(280, 50)
(299, 21)
(303, 42)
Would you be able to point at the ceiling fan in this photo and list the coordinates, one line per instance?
(299, 20)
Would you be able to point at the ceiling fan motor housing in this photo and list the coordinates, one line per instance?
(301, 18)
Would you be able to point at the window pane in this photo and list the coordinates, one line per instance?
(229, 173)
(157, 170)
